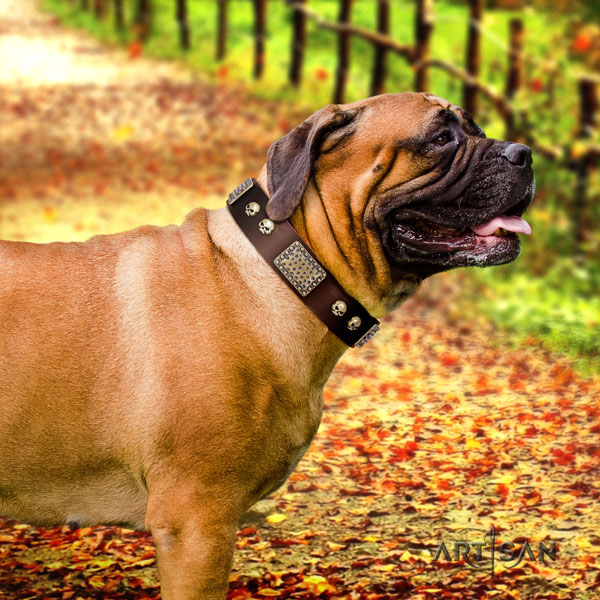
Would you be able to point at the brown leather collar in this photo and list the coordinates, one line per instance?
(293, 260)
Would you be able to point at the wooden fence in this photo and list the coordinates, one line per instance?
(417, 55)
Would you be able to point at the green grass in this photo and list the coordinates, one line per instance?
(559, 309)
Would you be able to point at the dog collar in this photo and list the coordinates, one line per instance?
(292, 259)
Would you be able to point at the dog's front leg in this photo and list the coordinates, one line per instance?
(195, 539)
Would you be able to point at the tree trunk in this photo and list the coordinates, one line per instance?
(184, 27)
(424, 28)
(119, 19)
(298, 44)
(514, 78)
(143, 18)
(473, 55)
(99, 9)
(515, 59)
(260, 21)
(343, 53)
(221, 29)
(379, 64)
(588, 107)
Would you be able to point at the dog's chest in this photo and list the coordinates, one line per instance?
(294, 436)
(282, 474)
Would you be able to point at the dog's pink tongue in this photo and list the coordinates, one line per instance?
(513, 223)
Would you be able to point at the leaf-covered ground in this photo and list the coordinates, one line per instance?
(438, 425)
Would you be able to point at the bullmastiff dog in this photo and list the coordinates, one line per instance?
(168, 378)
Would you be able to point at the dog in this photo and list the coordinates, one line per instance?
(168, 378)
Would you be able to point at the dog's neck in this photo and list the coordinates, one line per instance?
(368, 278)
(298, 338)
(323, 242)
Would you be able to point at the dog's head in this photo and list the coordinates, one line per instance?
(394, 188)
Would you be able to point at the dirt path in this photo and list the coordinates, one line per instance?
(88, 132)
(435, 426)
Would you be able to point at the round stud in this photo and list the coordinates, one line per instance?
(353, 323)
(252, 209)
(266, 226)
(338, 308)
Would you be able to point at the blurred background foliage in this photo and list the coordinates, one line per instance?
(552, 291)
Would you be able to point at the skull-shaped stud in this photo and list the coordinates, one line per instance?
(252, 209)
(353, 324)
(266, 226)
(338, 308)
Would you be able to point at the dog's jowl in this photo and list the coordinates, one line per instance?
(168, 378)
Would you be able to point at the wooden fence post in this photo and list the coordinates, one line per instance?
(184, 27)
(424, 28)
(514, 78)
(343, 53)
(221, 28)
(298, 44)
(119, 19)
(379, 63)
(99, 9)
(473, 55)
(588, 107)
(260, 20)
(143, 18)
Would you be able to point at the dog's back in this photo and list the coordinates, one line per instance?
(63, 311)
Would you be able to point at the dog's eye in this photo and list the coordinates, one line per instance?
(443, 139)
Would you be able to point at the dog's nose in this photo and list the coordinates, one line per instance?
(517, 154)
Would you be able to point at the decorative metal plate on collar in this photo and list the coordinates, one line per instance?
(240, 190)
(300, 268)
(365, 338)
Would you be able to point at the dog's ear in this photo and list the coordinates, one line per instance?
(290, 159)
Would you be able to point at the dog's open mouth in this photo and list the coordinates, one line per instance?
(431, 247)
(427, 238)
